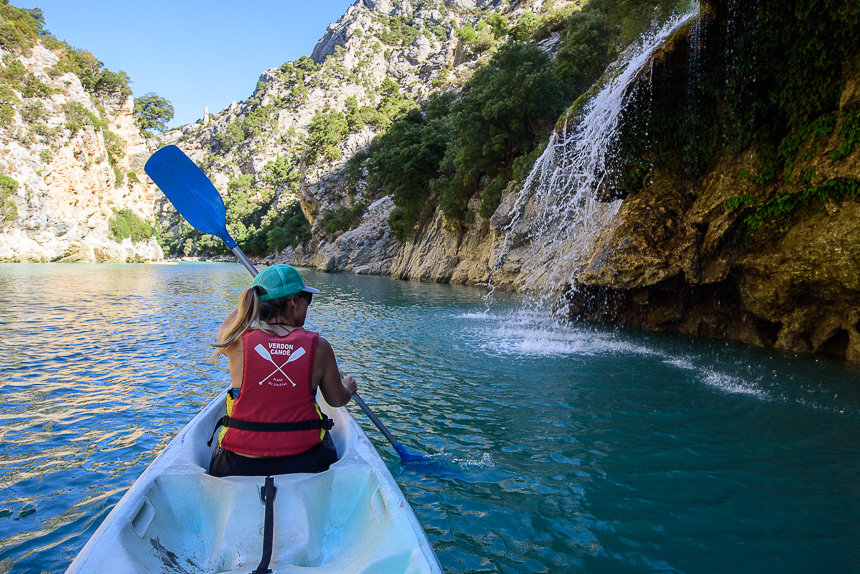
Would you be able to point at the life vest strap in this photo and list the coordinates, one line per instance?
(323, 423)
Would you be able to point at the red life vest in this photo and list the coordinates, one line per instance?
(276, 389)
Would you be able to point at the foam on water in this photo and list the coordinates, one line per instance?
(527, 332)
(730, 384)
(531, 331)
(540, 346)
(485, 316)
(681, 363)
(517, 340)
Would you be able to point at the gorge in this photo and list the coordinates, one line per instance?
(721, 201)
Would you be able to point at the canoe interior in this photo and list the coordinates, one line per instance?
(176, 518)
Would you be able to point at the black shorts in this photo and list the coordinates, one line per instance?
(316, 459)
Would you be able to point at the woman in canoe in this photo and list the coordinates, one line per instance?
(273, 424)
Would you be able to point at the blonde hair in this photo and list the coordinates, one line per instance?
(251, 314)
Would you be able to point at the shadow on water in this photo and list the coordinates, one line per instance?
(610, 447)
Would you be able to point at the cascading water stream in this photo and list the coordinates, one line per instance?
(559, 214)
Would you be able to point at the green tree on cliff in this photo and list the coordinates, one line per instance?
(407, 157)
(8, 207)
(326, 130)
(153, 112)
(510, 103)
(585, 50)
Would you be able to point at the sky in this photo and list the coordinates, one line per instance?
(194, 53)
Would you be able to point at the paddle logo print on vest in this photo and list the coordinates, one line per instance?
(263, 352)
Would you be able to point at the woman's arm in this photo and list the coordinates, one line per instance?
(335, 390)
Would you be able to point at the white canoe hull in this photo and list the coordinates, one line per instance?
(352, 518)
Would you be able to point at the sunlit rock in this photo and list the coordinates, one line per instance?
(67, 189)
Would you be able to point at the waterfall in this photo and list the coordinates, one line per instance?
(559, 214)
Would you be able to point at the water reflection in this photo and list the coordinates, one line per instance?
(560, 448)
(101, 366)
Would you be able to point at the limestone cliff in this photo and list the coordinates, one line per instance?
(743, 249)
(62, 188)
(379, 55)
(694, 228)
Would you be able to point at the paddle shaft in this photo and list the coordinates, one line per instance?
(375, 420)
(240, 255)
(192, 194)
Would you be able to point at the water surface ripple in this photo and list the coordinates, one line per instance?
(556, 449)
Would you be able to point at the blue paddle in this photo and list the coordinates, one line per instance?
(197, 200)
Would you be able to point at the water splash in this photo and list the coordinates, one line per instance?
(449, 464)
(454, 462)
(731, 384)
(560, 214)
(486, 461)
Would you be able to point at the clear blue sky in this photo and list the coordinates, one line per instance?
(195, 53)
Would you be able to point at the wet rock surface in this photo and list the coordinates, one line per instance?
(681, 256)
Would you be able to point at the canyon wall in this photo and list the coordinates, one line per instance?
(745, 248)
(693, 228)
(62, 189)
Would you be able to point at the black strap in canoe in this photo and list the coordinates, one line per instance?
(268, 526)
(323, 423)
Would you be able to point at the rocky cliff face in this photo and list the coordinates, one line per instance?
(667, 248)
(65, 189)
(410, 44)
(369, 249)
(762, 247)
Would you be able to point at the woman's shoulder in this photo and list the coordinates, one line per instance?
(322, 343)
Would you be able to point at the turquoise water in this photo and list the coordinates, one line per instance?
(558, 449)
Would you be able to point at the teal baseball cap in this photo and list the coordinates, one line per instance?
(281, 281)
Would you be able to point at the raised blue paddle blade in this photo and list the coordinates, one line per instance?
(190, 191)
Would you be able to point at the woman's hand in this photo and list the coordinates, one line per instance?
(350, 384)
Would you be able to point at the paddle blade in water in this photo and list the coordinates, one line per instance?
(190, 191)
(406, 456)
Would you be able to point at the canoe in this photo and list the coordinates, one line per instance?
(163, 262)
(176, 518)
